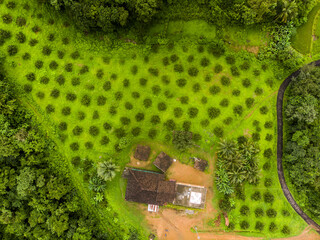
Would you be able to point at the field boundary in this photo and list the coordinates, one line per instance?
(282, 180)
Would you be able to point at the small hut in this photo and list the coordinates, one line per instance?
(142, 153)
(163, 162)
(200, 164)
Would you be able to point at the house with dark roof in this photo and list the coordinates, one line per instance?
(163, 162)
(148, 187)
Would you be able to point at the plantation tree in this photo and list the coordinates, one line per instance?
(107, 170)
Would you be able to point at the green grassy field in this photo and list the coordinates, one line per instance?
(90, 97)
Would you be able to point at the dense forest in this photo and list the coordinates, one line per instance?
(302, 148)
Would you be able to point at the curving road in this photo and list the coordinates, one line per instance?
(282, 180)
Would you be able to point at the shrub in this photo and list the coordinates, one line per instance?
(193, 71)
(155, 119)
(106, 60)
(285, 213)
(104, 140)
(36, 29)
(218, 68)
(143, 81)
(184, 49)
(178, 68)
(182, 140)
(177, 112)
(204, 123)
(285, 230)
(213, 112)
(53, 65)
(74, 146)
(107, 126)
(101, 100)
(147, 102)
(214, 89)
(94, 131)
(107, 86)
(255, 137)
(75, 55)
(50, 108)
(235, 71)
(139, 117)
(118, 96)
(65, 41)
(244, 210)
(218, 131)
(174, 58)
(60, 80)
(63, 126)
(136, 131)
(255, 123)
(99, 74)
(26, 7)
(165, 61)
(264, 67)
(12, 50)
(27, 88)
(40, 95)
(88, 145)
(190, 58)
(113, 110)
(184, 99)
(196, 87)
(259, 226)
(245, 66)
(66, 111)
(238, 110)
(186, 125)
(249, 102)
(26, 56)
(273, 227)
(50, 21)
(246, 82)
(38, 64)
(77, 131)
(204, 100)
(165, 79)
(71, 97)
(242, 140)
(200, 49)
(269, 137)
(268, 153)
(230, 60)
(197, 137)
(31, 77)
(21, 37)
(231, 226)
(84, 69)
(236, 92)
(7, 18)
(267, 182)
(86, 100)
(126, 83)
(125, 120)
(271, 213)
(75, 81)
(181, 82)
(120, 133)
(258, 91)
(256, 196)
(95, 115)
(268, 197)
(46, 50)
(193, 112)
(256, 72)
(134, 69)
(154, 71)
(128, 106)
(68, 67)
(269, 82)
(162, 106)
(152, 133)
(268, 124)
(227, 121)
(155, 48)
(244, 225)
(264, 110)
(156, 90)
(216, 49)
(61, 54)
(51, 37)
(225, 81)
(167, 137)
(258, 212)
(205, 62)
(44, 80)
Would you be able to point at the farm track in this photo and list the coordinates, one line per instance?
(282, 180)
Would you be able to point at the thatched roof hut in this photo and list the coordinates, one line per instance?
(163, 162)
(142, 153)
(200, 164)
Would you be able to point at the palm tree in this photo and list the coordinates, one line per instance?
(98, 198)
(253, 175)
(234, 162)
(107, 170)
(288, 11)
(237, 176)
(227, 148)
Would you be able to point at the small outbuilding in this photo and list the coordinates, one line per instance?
(200, 164)
(142, 153)
(163, 161)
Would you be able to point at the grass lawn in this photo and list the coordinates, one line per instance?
(93, 97)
